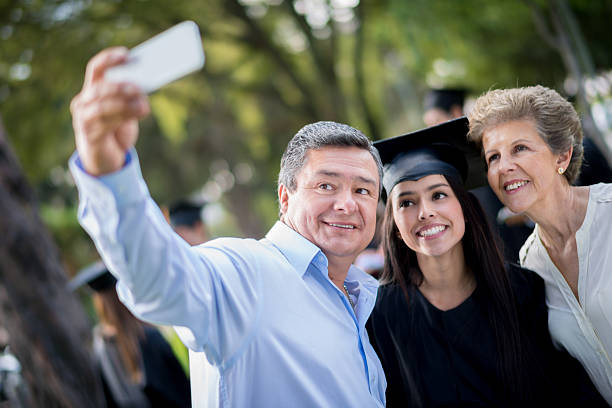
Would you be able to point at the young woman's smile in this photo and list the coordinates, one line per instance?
(428, 215)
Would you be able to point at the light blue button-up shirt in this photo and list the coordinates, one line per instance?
(264, 311)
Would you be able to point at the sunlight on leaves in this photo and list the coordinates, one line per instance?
(171, 115)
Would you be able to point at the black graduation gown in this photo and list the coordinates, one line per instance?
(165, 383)
(435, 358)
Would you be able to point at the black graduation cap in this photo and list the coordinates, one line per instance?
(441, 149)
(95, 275)
(185, 213)
(444, 99)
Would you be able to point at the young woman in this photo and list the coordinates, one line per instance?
(137, 365)
(453, 326)
(532, 143)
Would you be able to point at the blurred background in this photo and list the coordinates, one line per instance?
(272, 66)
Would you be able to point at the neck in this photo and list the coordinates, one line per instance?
(558, 223)
(447, 280)
(337, 271)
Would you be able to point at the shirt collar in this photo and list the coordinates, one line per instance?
(357, 275)
(299, 251)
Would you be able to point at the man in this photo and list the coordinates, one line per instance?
(186, 220)
(442, 105)
(283, 318)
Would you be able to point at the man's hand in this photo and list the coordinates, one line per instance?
(105, 115)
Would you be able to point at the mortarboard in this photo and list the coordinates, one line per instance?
(444, 99)
(185, 213)
(441, 149)
(95, 275)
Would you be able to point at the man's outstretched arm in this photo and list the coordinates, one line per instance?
(161, 278)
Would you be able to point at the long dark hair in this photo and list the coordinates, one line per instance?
(128, 330)
(483, 257)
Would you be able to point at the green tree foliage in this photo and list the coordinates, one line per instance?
(271, 67)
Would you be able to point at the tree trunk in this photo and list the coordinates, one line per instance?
(565, 36)
(578, 60)
(374, 128)
(48, 329)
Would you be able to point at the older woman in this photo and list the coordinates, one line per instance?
(532, 143)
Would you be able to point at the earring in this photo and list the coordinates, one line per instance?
(560, 170)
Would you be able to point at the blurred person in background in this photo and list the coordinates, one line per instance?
(531, 139)
(595, 167)
(137, 365)
(14, 392)
(442, 105)
(186, 220)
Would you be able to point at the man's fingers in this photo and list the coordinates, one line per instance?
(106, 115)
(109, 90)
(102, 61)
(105, 99)
(126, 134)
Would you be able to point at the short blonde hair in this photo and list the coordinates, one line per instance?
(555, 119)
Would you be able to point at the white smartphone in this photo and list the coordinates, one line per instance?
(162, 59)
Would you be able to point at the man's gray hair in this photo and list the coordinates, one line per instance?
(318, 135)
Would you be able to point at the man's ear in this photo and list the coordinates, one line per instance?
(564, 158)
(283, 198)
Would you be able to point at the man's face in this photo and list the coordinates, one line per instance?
(334, 203)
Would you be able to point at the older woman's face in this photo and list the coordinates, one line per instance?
(521, 167)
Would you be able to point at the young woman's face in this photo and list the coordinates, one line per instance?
(428, 215)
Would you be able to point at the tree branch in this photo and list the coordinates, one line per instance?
(541, 25)
(325, 66)
(373, 126)
(261, 40)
